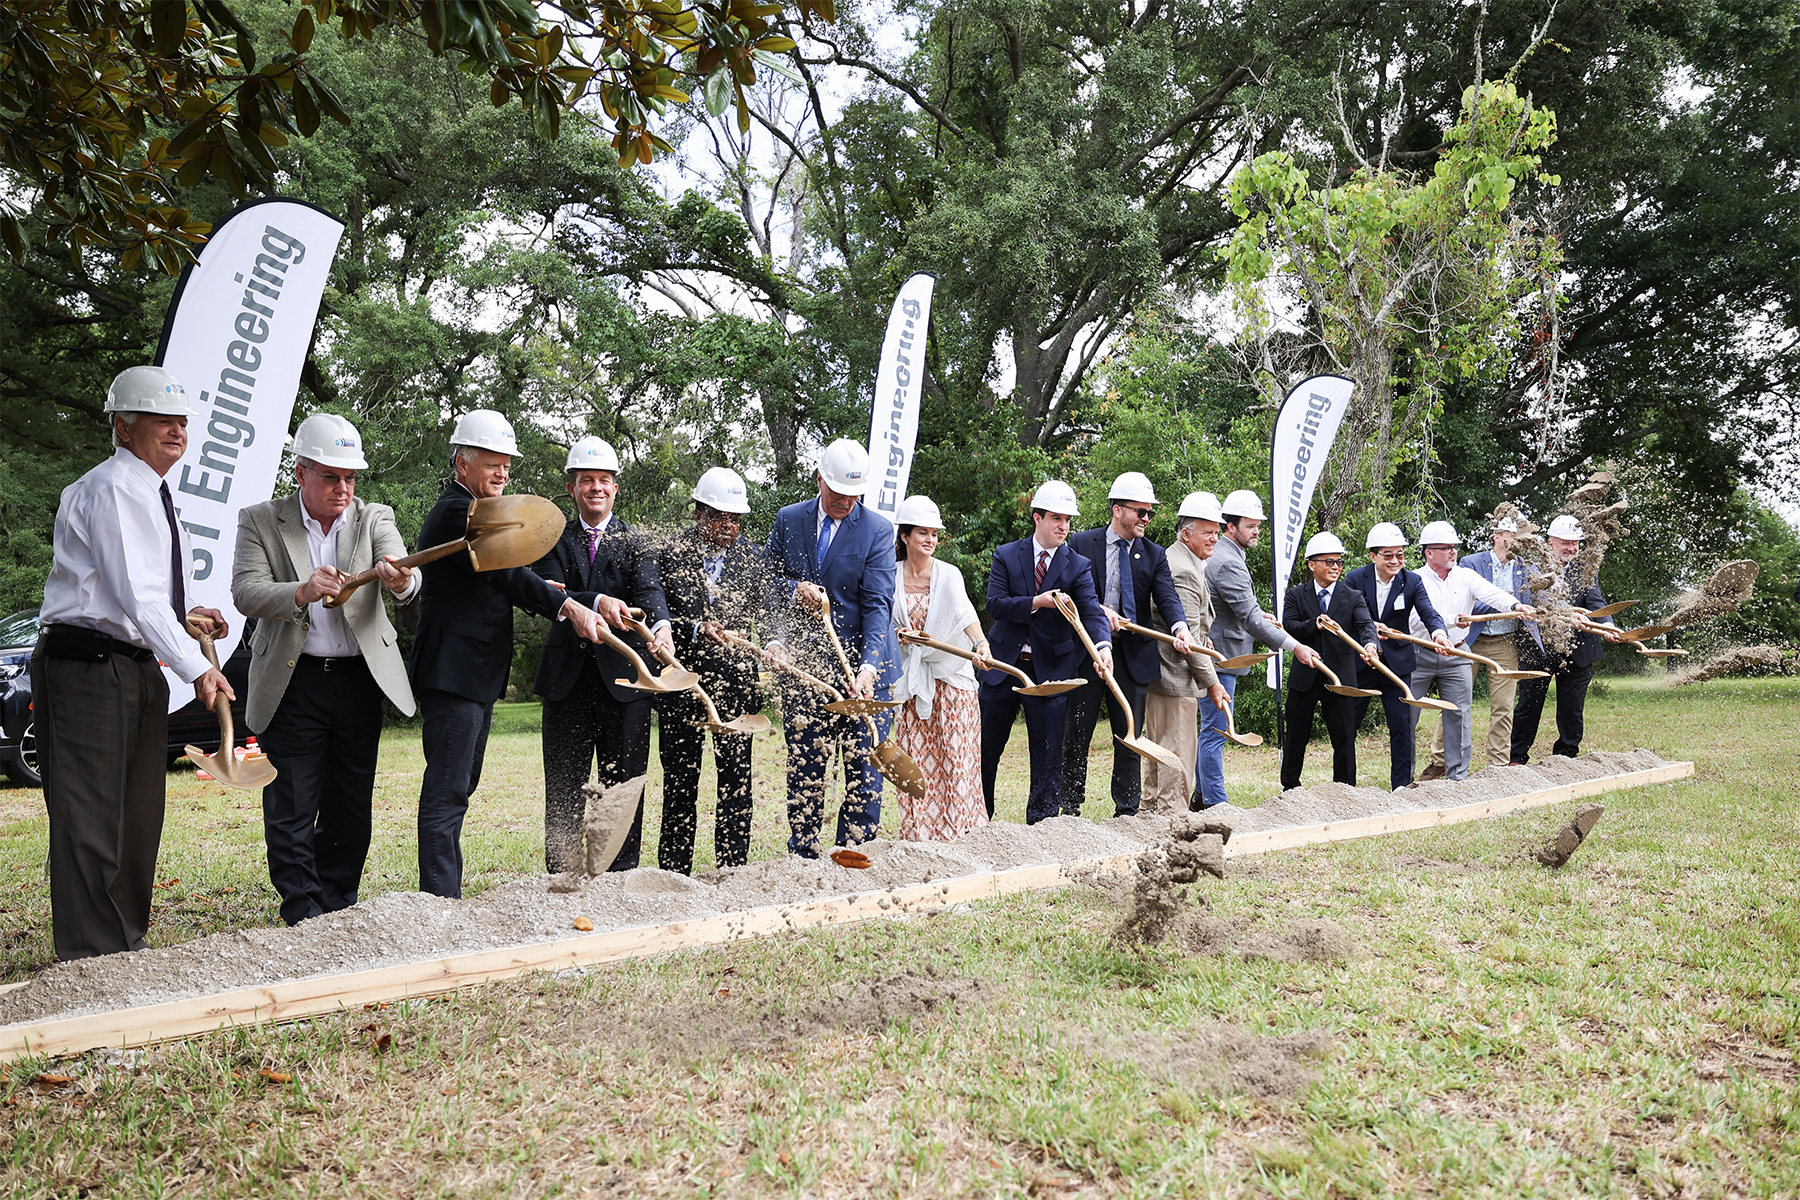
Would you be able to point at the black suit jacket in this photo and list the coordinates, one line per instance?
(738, 602)
(463, 643)
(1135, 655)
(1299, 616)
(1587, 647)
(624, 567)
(1407, 594)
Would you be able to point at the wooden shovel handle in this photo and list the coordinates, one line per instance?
(743, 643)
(836, 645)
(1490, 664)
(667, 658)
(221, 706)
(412, 560)
(1334, 627)
(919, 639)
(1065, 604)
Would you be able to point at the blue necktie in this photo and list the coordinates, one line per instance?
(1127, 594)
(824, 545)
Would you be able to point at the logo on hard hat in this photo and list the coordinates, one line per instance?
(344, 441)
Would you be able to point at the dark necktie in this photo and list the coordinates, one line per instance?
(1324, 600)
(593, 544)
(1127, 593)
(824, 545)
(1043, 564)
(177, 592)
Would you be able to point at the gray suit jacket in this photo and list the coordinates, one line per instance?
(272, 560)
(1186, 675)
(1237, 614)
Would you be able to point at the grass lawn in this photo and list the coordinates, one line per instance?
(1627, 1026)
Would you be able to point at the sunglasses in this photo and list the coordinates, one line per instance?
(1142, 514)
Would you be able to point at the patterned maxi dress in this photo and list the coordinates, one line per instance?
(948, 750)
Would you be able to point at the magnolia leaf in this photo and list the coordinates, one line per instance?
(306, 113)
(717, 91)
(302, 34)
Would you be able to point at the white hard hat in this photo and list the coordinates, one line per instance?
(592, 454)
(845, 466)
(1439, 533)
(1567, 528)
(1506, 525)
(723, 489)
(1133, 485)
(1203, 506)
(148, 390)
(1385, 534)
(1055, 496)
(485, 429)
(1244, 503)
(330, 441)
(919, 510)
(1323, 543)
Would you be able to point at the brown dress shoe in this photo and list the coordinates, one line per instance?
(1431, 772)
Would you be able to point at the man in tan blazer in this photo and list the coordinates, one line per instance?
(1172, 707)
(317, 674)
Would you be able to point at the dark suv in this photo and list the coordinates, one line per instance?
(189, 725)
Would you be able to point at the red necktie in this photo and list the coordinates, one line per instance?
(1043, 564)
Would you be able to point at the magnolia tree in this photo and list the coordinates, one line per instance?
(1405, 282)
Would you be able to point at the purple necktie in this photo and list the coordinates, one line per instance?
(177, 593)
(593, 544)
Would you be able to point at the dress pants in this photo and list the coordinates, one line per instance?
(323, 742)
(1571, 701)
(1045, 719)
(1083, 715)
(1209, 763)
(679, 746)
(1402, 722)
(589, 724)
(811, 734)
(1503, 648)
(455, 739)
(103, 746)
(1171, 722)
(1455, 680)
(1340, 722)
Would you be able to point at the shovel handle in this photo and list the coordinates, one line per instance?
(221, 706)
(1334, 627)
(667, 658)
(919, 639)
(743, 643)
(362, 578)
(1065, 604)
(1389, 631)
(836, 645)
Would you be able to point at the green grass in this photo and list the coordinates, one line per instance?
(1626, 1026)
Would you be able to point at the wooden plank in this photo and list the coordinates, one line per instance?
(310, 997)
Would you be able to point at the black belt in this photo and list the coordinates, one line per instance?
(79, 644)
(342, 663)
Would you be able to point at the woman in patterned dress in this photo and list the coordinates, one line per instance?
(940, 716)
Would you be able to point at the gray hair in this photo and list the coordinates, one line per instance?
(308, 463)
(130, 419)
(1181, 524)
(463, 454)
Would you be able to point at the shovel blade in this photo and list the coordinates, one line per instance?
(1648, 653)
(1644, 632)
(1344, 689)
(1244, 660)
(253, 774)
(670, 680)
(1151, 750)
(898, 768)
(1430, 702)
(512, 531)
(1244, 739)
(749, 723)
(1521, 674)
(1054, 687)
(858, 707)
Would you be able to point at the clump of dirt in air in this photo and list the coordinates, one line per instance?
(1741, 660)
(1553, 583)
(1725, 591)
(1224, 1060)
(1159, 897)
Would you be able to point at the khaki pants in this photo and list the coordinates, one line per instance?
(1503, 649)
(1170, 722)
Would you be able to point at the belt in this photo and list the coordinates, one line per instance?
(341, 663)
(80, 644)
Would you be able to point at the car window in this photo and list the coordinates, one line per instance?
(20, 629)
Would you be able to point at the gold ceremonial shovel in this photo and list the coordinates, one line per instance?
(1065, 604)
(849, 708)
(1054, 687)
(1242, 660)
(504, 531)
(1647, 652)
(1406, 692)
(749, 723)
(1494, 668)
(1339, 686)
(252, 773)
(894, 763)
(1231, 733)
(1618, 606)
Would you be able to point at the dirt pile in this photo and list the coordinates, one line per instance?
(1159, 896)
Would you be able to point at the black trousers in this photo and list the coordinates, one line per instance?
(1083, 715)
(680, 743)
(1045, 720)
(1402, 723)
(587, 724)
(323, 742)
(1571, 703)
(456, 733)
(1340, 722)
(103, 745)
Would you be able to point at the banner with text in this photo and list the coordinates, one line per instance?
(236, 336)
(1304, 431)
(894, 423)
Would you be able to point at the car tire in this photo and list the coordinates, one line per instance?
(23, 769)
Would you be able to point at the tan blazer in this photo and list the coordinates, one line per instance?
(1186, 675)
(272, 559)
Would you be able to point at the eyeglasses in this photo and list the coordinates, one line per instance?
(1391, 555)
(1333, 563)
(332, 479)
(1142, 514)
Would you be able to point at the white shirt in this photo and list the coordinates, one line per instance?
(1382, 589)
(111, 570)
(328, 633)
(1505, 573)
(1455, 593)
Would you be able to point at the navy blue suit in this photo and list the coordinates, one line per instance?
(1136, 665)
(858, 576)
(1572, 671)
(1406, 596)
(1054, 653)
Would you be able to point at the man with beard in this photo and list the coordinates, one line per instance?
(1571, 668)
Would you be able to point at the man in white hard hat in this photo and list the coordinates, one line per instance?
(592, 724)
(463, 646)
(116, 602)
(1172, 708)
(1130, 571)
(1030, 633)
(713, 578)
(1394, 596)
(1238, 619)
(317, 674)
(1498, 640)
(1572, 667)
(1307, 604)
(1456, 590)
(833, 552)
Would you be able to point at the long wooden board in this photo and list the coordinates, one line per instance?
(323, 994)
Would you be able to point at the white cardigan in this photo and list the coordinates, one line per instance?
(950, 613)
